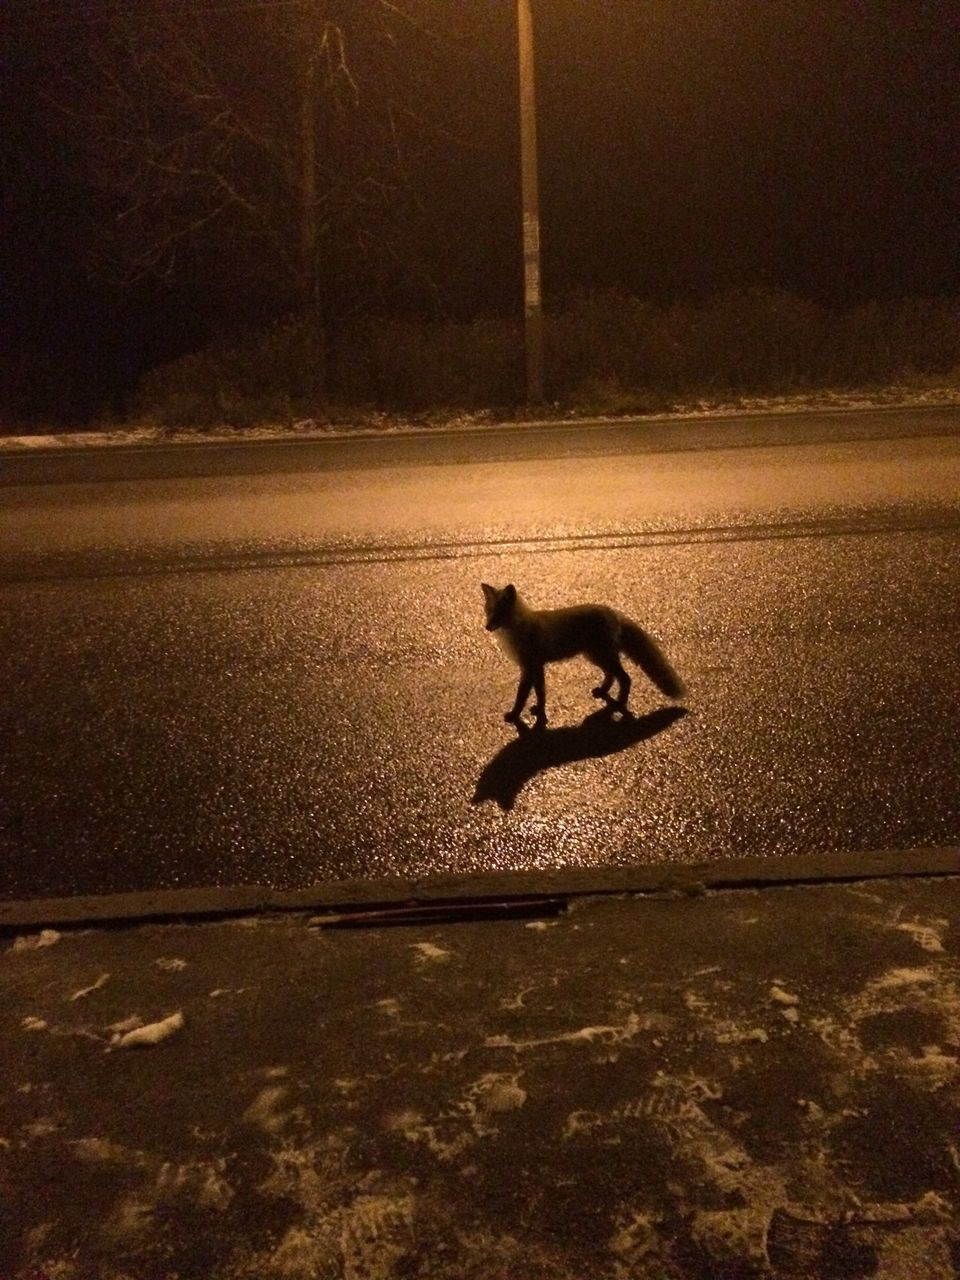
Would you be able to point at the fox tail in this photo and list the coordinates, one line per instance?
(647, 654)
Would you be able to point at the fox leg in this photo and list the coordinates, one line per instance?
(523, 692)
(603, 690)
(532, 680)
(539, 688)
(613, 669)
(625, 683)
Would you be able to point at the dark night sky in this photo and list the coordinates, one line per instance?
(690, 145)
(686, 146)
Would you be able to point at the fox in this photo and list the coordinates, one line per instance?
(534, 637)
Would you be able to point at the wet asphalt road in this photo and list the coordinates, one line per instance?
(268, 665)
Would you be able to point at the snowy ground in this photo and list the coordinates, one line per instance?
(756, 1082)
(382, 424)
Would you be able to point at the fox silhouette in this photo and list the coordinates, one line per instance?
(534, 637)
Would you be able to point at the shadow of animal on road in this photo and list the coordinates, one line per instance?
(600, 734)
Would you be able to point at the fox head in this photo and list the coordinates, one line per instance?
(499, 603)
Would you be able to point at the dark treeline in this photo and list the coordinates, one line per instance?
(606, 352)
(187, 178)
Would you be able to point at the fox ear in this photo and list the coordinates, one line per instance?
(489, 593)
(510, 592)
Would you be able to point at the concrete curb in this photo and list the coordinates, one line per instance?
(484, 888)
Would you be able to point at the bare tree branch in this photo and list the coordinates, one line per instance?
(282, 143)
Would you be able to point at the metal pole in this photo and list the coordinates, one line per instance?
(533, 312)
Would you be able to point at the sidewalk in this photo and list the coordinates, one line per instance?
(697, 1082)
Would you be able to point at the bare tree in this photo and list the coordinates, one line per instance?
(268, 143)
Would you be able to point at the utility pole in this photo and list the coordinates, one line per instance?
(532, 302)
(309, 266)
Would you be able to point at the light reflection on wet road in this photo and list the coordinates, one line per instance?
(331, 710)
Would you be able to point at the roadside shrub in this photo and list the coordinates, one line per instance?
(741, 340)
(287, 371)
(418, 365)
(606, 337)
(606, 352)
(757, 340)
(254, 375)
(897, 341)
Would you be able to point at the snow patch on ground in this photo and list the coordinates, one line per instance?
(927, 936)
(35, 941)
(94, 986)
(312, 429)
(152, 1033)
(268, 1111)
(427, 952)
(475, 1115)
(349, 1226)
(605, 1035)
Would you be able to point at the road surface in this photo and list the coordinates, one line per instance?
(267, 664)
